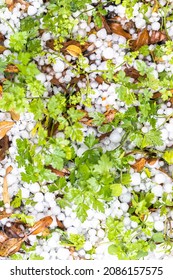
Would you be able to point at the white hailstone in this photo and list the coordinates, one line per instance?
(134, 224)
(87, 246)
(144, 129)
(135, 179)
(55, 210)
(140, 23)
(155, 26)
(127, 221)
(32, 238)
(52, 243)
(63, 254)
(41, 77)
(157, 190)
(108, 53)
(160, 67)
(31, 10)
(39, 207)
(34, 188)
(102, 34)
(125, 197)
(164, 134)
(58, 66)
(68, 222)
(160, 178)
(159, 226)
(39, 197)
(101, 233)
(11, 179)
(168, 188)
(81, 253)
(25, 193)
(115, 136)
(72, 230)
(92, 38)
(92, 232)
(124, 207)
(49, 197)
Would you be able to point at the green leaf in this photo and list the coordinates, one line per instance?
(75, 115)
(3, 65)
(35, 257)
(125, 179)
(18, 40)
(116, 189)
(168, 156)
(24, 218)
(16, 202)
(16, 257)
(158, 237)
(90, 141)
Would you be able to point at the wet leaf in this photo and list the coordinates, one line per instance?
(74, 50)
(157, 36)
(60, 173)
(15, 230)
(139, 164)
(3, 214)
(117, 29)
(142, 40)
(5, 126)
(10, 246)
(2, 49)
(4, 146)
(132, 72)
(110, 115)
(5, 194)
(11, 69)
(41, 225)
(15, 116)
(3, 236)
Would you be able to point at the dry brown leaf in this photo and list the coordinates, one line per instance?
(10, 246)
(15, 116)
(11, 69)
(12, 3)
(157, 36)
(60, 224)
(15, 230)
(74, 50)
(142, 39)
(110, 115)
(3, 236)
(3, 214)
(4, 146)
(106, 25)
(2, 49)
(117, 29)
(151, 161)
(5, 126)
(41, 225)
(99, 80)
(2, 38)
(156, 6)
(60, 173)
(139, 164)
(5, 194)
(132, 72)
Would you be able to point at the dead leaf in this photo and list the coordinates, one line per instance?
(99, 80)
(2, 49)
(11, 69)
(151, 161)
(3, 236)
(15, 230)
(41, 225)
(10, 246)
(117, 29)
(142, 39)
(156, 6)
(132, 72)
(157, 36)
(139, 164)
(4, 214)
(74, 50)
(15, 116)
(50, 44)
(60, 224)
(4, 146)
(106, 25)
(5, 194)
(12, 3)
(5, 126)
(110, 115)
(2, 38)
(60, 173)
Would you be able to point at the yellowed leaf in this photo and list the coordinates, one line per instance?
(5, 126)
(139, 164)
(41, 225)
(11, 69)
(74, 50)
(10, 246)
(5, 194)
(2, 49)
(15, 116)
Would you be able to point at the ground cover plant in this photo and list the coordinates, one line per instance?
(86, 129)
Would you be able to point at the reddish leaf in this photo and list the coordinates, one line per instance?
(151, 161)
(5, 126)
(143, 39)
(10, 246)
(60, 224)
(117, 29)
(132, 72)
(157, 36)
(4, 146)
(60, 173)
(139, 164)
(41, 225)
